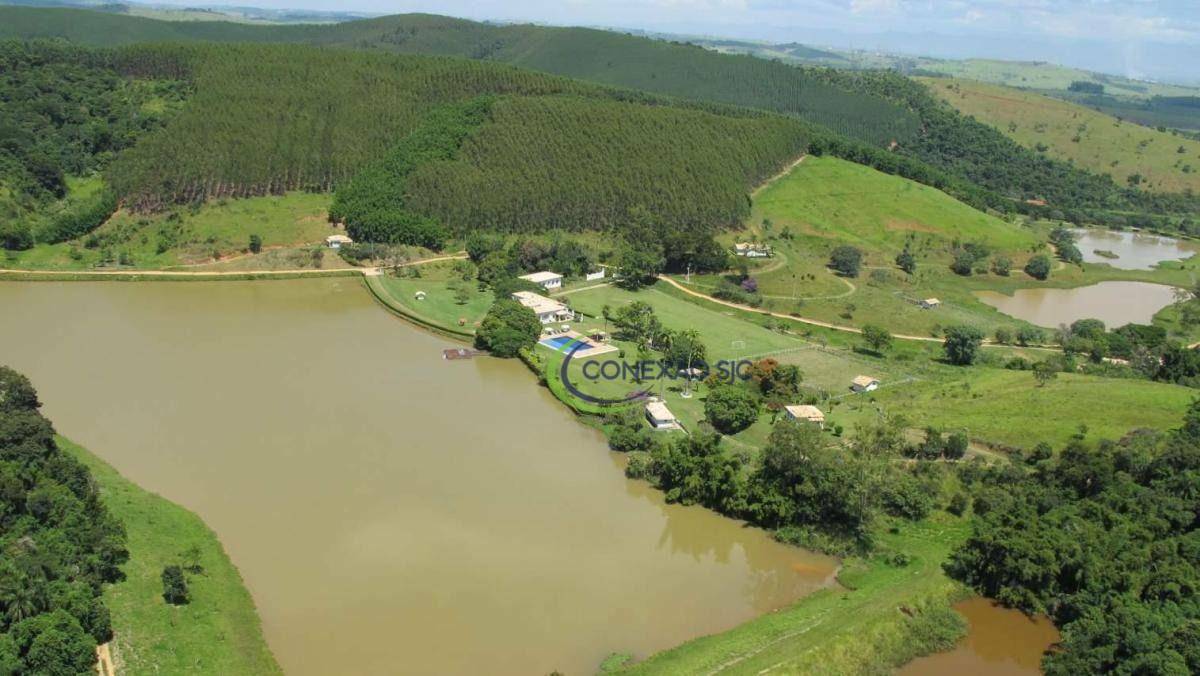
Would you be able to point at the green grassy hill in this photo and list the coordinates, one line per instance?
(826, 202)
(842, 202)
(1087, 138)
(218, 632)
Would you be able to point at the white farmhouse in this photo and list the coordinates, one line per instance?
(751, 250)
(864, 384)
(805, 413)
(336, 241)
(545, 279)
(660, 416)
(549, 311)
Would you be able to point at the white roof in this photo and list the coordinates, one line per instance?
(805, 412)
(659, 411)
(931, 301)
(539, 277)
(339, 238)
(539, 304)
(863, 381)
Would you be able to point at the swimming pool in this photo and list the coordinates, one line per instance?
(561, 343)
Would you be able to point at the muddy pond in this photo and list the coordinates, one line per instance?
(1116, 303)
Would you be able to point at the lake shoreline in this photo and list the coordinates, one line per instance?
(143, 314)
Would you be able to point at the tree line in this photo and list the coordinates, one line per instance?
(59, 544)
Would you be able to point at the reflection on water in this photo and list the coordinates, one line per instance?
(1116, 303)
(390, 511)
(1134, 250)
(999, 642)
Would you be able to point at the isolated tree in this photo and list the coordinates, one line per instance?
(846, 260)
(1038, 267)
(1002, 265)
(175, 588)
(462, 294)
(731, 408)
(636, 322)
(962, 345)
(1004, 335)
(1044, 372)
(876, 337)
(686, 349)
(255, 243)
(508, 327)
(906, 261)
(956, 446)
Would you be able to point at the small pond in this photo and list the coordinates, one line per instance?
(1133, 250)
(999, 642)
(1115, 303)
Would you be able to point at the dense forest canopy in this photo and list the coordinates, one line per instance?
(876, 109)
(58, 545)
(1106, 539)
(545, 153)
(64, 113)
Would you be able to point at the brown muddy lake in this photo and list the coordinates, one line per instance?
(390, 512)
(999, 642)
(1116, 303)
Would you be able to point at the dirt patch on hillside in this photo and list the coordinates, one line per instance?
(908, 226)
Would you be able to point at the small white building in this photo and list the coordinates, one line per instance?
(599, 274)
(930, 303)
(420, 295)
(864, 384)
(545, 279)
(336, 241)
(548, 311)
(805, 413)
(660, 416)
(751, 250)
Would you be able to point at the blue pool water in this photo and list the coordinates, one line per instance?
(560, 343)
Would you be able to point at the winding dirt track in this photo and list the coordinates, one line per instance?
(817, 322)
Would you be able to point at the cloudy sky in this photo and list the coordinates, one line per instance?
(1145, 38)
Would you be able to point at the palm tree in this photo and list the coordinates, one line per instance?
(20, 600)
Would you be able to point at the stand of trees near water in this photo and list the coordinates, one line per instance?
(58, 545)
(1105, 539)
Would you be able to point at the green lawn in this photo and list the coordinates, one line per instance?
(878, 623)
(440, 306)
(217, 633)
(1008, 407)
(725, 335)
(185, 235)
